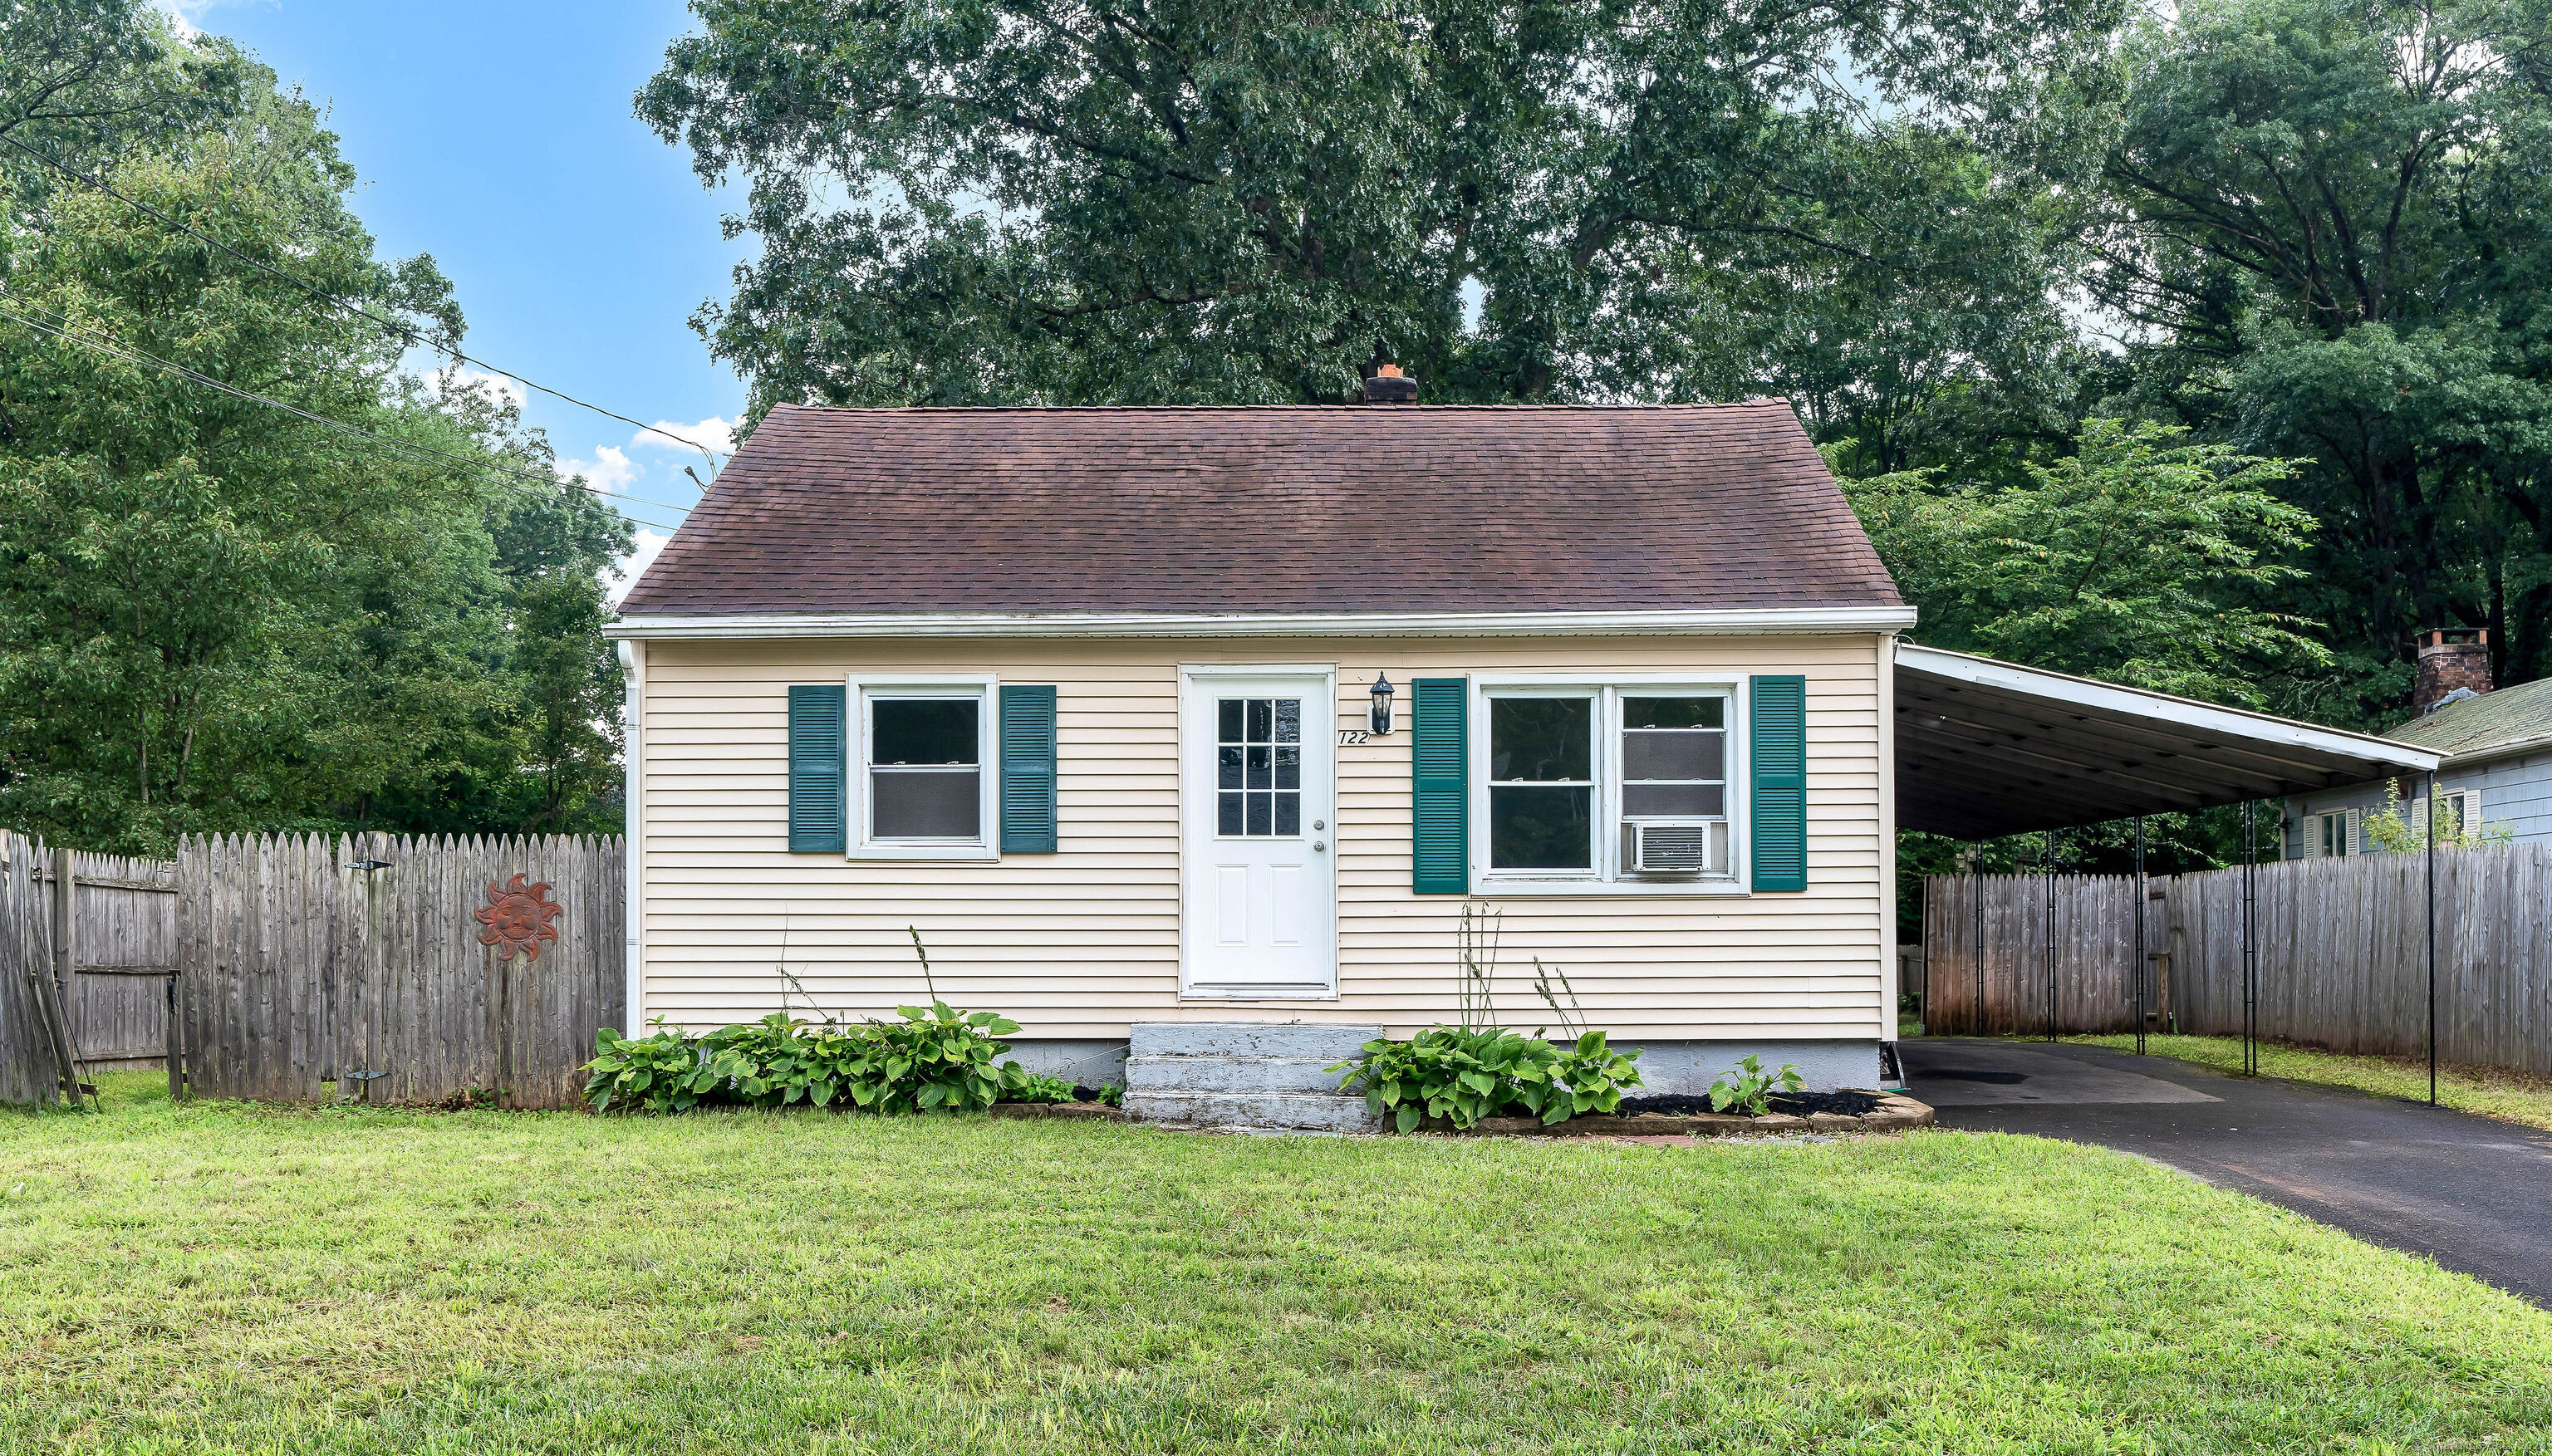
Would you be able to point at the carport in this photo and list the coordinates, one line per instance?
(1985, 749)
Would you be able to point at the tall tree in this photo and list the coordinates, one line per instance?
(216, 614)
(1118, 200)
(2331, 229)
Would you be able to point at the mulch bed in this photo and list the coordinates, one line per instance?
(1797, 1104)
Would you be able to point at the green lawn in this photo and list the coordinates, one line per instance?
(221, 1277)
(2490, 1092)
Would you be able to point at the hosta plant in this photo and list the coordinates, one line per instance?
(1748, 1088)
(662, 1071)
(1464, 1075)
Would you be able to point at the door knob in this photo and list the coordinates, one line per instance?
(1316, 846)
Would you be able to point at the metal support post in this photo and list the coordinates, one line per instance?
(2432, 938)
(2050, 935)
(2144, 958)
(2250, 941)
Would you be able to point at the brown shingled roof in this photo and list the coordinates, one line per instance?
(1337, 509)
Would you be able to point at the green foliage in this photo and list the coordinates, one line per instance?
(661, 1072)
(2332, 231)
(1747, 1088)
(2136, 559)
(2395, 828)
(1468, 1074)
(1220, 202)
(1037, 1087)
(933, 1059)
(215, 615)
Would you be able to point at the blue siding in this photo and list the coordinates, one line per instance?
(2515, 791)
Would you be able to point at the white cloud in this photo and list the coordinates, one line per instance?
(713, 434)
(635, 564)
(610, 470)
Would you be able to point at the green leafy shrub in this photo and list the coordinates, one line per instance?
(661, 1073)
(1468, 1074)
(1035, 1087)
(1748, 1088)
(936, 1059)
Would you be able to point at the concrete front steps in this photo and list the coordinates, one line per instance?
(1245, 1074)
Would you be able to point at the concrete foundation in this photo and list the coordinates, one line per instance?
(1242, 1058)
(1670, 1067)
(1092, 1063)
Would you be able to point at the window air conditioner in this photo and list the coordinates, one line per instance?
(1669, 848)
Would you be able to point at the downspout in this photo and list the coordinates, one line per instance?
(1888, 888)
(633, 687)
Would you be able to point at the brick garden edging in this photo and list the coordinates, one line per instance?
(1894, 1113)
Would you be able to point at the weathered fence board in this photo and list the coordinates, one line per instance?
(353, 968)
(123, 947)
(29, 1055)
(2342, 947)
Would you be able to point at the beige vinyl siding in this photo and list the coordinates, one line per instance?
(1084, 942)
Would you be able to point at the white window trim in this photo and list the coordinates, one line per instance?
(863, 688)
(1601, 881)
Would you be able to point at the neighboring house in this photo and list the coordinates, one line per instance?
(2497, 758)
(1087, 697)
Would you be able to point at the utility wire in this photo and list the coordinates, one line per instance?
(406, 334)
(107, 345)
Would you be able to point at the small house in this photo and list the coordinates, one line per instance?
(1235, 736)
(2496, 769)
(1214, 715)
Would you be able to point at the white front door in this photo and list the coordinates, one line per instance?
(1259, 908)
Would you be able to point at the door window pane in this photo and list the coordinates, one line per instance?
(1259, 767)
(923, 730)
(925, 803)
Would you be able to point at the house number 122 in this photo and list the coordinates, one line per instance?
(1351, 737)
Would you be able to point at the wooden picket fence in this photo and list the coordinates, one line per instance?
(1985, 953)
(353, 968)
(2342, 947)
(302, 968)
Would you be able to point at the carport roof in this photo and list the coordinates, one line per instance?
(1986, 748)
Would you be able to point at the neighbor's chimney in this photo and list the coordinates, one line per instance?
(1390, 386)
(2454, 664)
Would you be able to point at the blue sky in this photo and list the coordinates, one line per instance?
(498, 137)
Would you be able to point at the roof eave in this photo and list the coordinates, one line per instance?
(1719, 621)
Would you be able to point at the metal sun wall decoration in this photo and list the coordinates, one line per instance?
(517, 917)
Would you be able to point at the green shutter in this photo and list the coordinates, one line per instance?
(815, 772)
(1440, 840)
(1778, 748)
(1027, 770)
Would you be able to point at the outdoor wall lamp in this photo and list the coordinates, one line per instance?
(1382, 691)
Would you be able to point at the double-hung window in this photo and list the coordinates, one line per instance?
(1617, 784)
(923, 786)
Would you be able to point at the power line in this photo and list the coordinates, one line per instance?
(71, 333)
(406, 334)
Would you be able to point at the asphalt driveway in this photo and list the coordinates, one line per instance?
(2473, 1193)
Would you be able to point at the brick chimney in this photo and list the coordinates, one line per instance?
(2454, 665)
(1390, 386)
